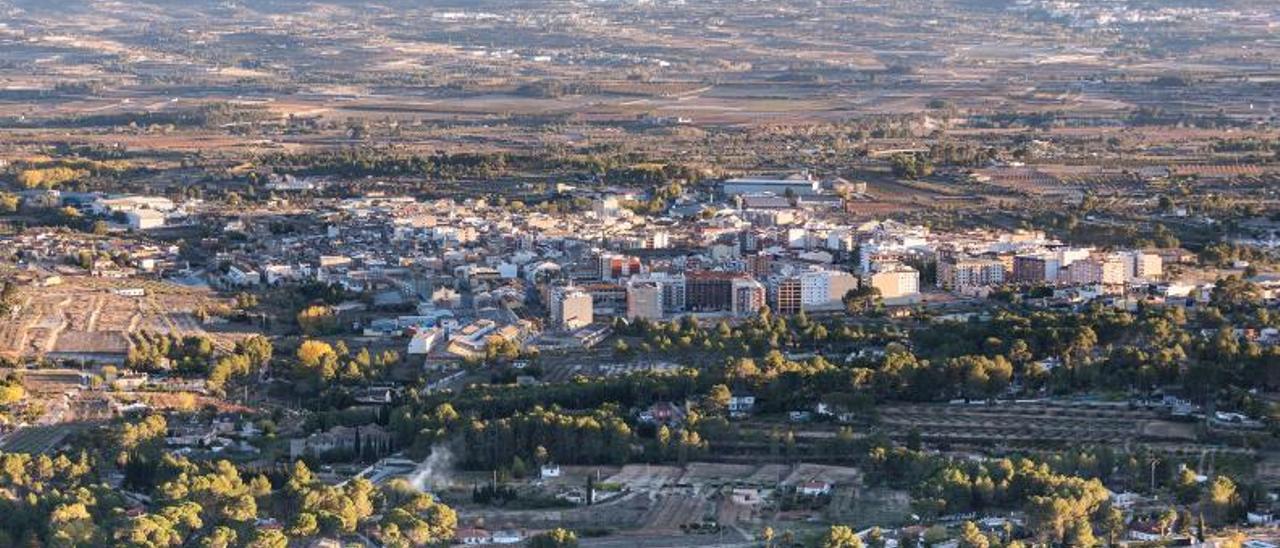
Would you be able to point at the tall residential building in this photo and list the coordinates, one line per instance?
(707, 290)
(1143, 266)
(959, 273)
(825, 289)
(571, 308)
(896, 281)
(1103, 269)
(615, 266)
(785, 295)
(673, 289)
(1047, 267)
(1034, 269)
(748, 296)
(644, 300)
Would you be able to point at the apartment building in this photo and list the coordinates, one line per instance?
(895, 281)
(960, 273)
(748, 296)
(571, 308)
(644, 300)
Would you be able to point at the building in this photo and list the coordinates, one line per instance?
(644, 300)
(1143, 266)
(748, 296)
(614, 266)
(741, 405)
(961, 273)
(473, 536)
(144, 219)
(571, 308)
(822, 289)
(800, 184)
(707, 291)
(786, 295)
(368, 440)
(424, 341)
(1045, 267)
(895, 281)
(814, 488)
(1034, 269)
(1105, 270)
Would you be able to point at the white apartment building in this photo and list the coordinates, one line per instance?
(822, 289)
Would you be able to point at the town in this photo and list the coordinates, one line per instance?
(656, 274)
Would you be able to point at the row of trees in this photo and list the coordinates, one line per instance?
(319, 364)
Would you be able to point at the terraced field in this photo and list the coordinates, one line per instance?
(87, 317)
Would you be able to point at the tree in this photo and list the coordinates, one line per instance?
(972, 537)
(718, 398)
(317, 320)
(861, 300)
(9, 202)
(317, 359)
(268, 538)
(555, 538)
(221, 537)
(1080, 534)
(1113, 524)
(840, 536)
(304, 525)
(1187, 487)
(766, 536)
(71, 525)
(1222, 500)
(875, 538)
(1165, 521)
(257, 348)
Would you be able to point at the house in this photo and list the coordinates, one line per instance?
(424, 341)
(369, 438)
(741, 406)
(747, 496)
(506, 537)
(240, 275)
(550, 471)
(1145, 531)
(573, 496)
(1261, 519)
(663, 412)
(814, 488)
(473, 536)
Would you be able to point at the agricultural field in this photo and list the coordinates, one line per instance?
(87, 317)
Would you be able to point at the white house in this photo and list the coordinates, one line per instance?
(241, 276)
(814, 488)
(506, 537)
(473, 536)
(424, 341)
(144, 219)
(741, 405)
(550, 471)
